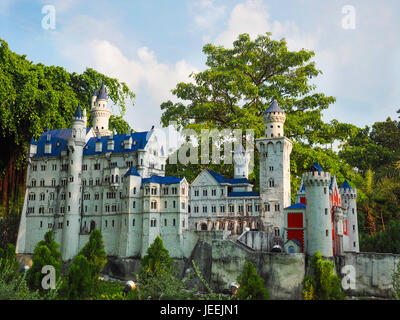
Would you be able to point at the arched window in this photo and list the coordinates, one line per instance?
(92, 225)
(33, 183)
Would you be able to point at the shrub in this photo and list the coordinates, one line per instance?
(322, 283)
(157, 260)
(251, 285)
(96, 256)
(78, 283)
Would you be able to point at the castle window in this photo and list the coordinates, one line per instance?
(147, 191)
(54, 167)
(41, 210)
(41, 224)
(133, 222)
(324, 190)
(271, 183)
(174, 204)
(204, 209)
(272, 135)
(112, 223)
(222, 192)
(154, 205)
(165, 222)
(352, 210)
(354, 244)
(31, 196)
(354, 227)
(86, 196)
(34, 167)
(327, 232)
(90, 182)
(95, 208)
(165, 204)
(165, 191)
(97, 166)
(249, 208)
(240, 208)
(154, 191)
(196, 209)
(42, 182)
(174, 190)
(134, 190)
(277, 207)
(62, 196)
(173, 222)
(97, 181)
(222, 209)
(214, 192)
(267, 207)
(43, 168)
(257, 207)
(213, 209)
(106, 223)
(326, 211)
(53, 182)
(183, 191)
(276, 232)
(153, 222)
(113, 208)
(271, 168)
(107, 208)
(231, 208)
(205, 193)
(69, 209)
(42, 196)
(69, 194)
(196, 193)
(84, 167)
(183, 223)
(96, 196)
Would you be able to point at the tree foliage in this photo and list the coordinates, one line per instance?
(157, 260)
(322, 283)
(78, 283)
(46, 252)
(251, 285)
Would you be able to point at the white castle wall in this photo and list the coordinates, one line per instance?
(318, 217)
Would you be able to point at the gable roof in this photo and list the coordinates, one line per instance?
(139, 141)
(221, 179)
(58, 140)
(244, 194)
(162, 180)
(297, 206)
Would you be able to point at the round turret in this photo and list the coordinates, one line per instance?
(274, 119)
(100, 112)
(349, 202)
(318, 216)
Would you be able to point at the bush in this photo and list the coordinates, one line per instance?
(322, 283)
(45, 253)
(96, 256)
(251, 285)
(78, 283)
(387, 241)
(157, 260)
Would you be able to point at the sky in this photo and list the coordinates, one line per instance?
(153, 45)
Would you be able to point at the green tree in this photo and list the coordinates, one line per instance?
(78, 283)
(9, 258)
(238, 86)
(96, 256)
(46, 252)
(251, 285)
(157, 260)
(322, 283)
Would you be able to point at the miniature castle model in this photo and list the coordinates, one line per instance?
(80, 178)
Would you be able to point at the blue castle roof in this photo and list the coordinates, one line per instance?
(102, 92)
(316, 167)
(346, 185)
(244, 194)
(162, 180)
(58, 141)
(297, 206)
(78, 113)
(33, 141)
(139, 141)
(274, 107)
(221, 179)
(132, 172)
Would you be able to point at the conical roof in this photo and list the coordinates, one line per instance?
(102, 92)
(274, 107)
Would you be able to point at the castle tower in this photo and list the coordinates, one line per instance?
(274, 151)
(349, 202)
(71, 222)
(318, 213)
(241, 160)
(100, 112)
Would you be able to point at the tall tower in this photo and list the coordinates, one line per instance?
(274, 151)
(241, 160)
(318, 213)
(349, 202)
(100, 112)
(71, 222)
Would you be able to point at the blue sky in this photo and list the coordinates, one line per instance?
(152, 45)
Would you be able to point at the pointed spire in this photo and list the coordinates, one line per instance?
(78, 112)
(346, 185)
(33, 141)
(274, 107)
(316, 167)
(102, 92)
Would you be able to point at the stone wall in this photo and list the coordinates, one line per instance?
(282, 273)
